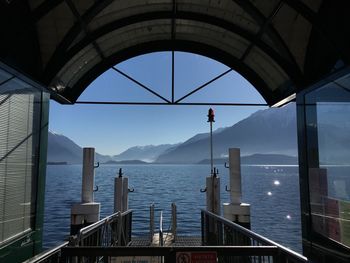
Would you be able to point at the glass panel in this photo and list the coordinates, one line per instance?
(328, 129)
(19, 132)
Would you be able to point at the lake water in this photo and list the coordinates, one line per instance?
(272, 192)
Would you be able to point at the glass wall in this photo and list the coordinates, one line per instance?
(20, 106)
(324, 149)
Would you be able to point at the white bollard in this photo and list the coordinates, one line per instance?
(87, 193)
(121, 192)
(118, 194)
(213, 194)
(236, 211)
(86, 212)
(235, 175)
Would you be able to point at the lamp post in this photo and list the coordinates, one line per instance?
(211, 120)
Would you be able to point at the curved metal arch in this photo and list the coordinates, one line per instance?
(167, 45)
(76, 29)
(290, 68)
(100, 5)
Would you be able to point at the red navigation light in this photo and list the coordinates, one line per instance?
(211, 115)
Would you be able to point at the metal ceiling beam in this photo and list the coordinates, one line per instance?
(72, 34)
(140, 84)
(291, 68)
(204, 85)
(44, 9)
(273, 34)
(83, 26)
(262, 29)
(142, 103)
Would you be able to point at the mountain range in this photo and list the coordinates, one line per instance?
(63, 149)
(270, 131)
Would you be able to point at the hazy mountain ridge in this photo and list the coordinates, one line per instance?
(271, 131)
(148, 153)
(63, 149)
(265, 131)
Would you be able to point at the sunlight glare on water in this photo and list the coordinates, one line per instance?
(276, 182)
(164, 184)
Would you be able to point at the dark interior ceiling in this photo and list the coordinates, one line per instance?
(280, 46)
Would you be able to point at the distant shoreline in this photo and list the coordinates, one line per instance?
(57, 163)
(249, 160)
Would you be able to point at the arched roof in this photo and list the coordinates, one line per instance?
(280, 46)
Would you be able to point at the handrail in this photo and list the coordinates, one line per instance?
(250, 234)
(92, 227)
(108, 219)
(103, 230)
(47, 254)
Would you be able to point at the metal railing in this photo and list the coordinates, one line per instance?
(49, 256)
(218, 231)
(227, 241)
(114, 230)
(172, 228)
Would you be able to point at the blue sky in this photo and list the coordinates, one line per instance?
(112, 129)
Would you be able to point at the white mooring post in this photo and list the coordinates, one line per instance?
(86, 212)
(87, 192)
(213, 194)
(236, 211)
(121, 192)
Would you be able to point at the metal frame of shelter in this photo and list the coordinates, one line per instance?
(272, 31)
(282, 47)
(166, 101)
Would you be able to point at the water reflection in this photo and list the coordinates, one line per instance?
(276, 182)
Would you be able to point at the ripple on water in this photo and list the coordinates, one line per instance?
(164, 184)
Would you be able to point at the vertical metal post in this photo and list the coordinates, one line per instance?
(161, 241)
(172, 76)
(211, 120)
(211, 149)
(151, 222)
(173, 221)
(213, 181)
